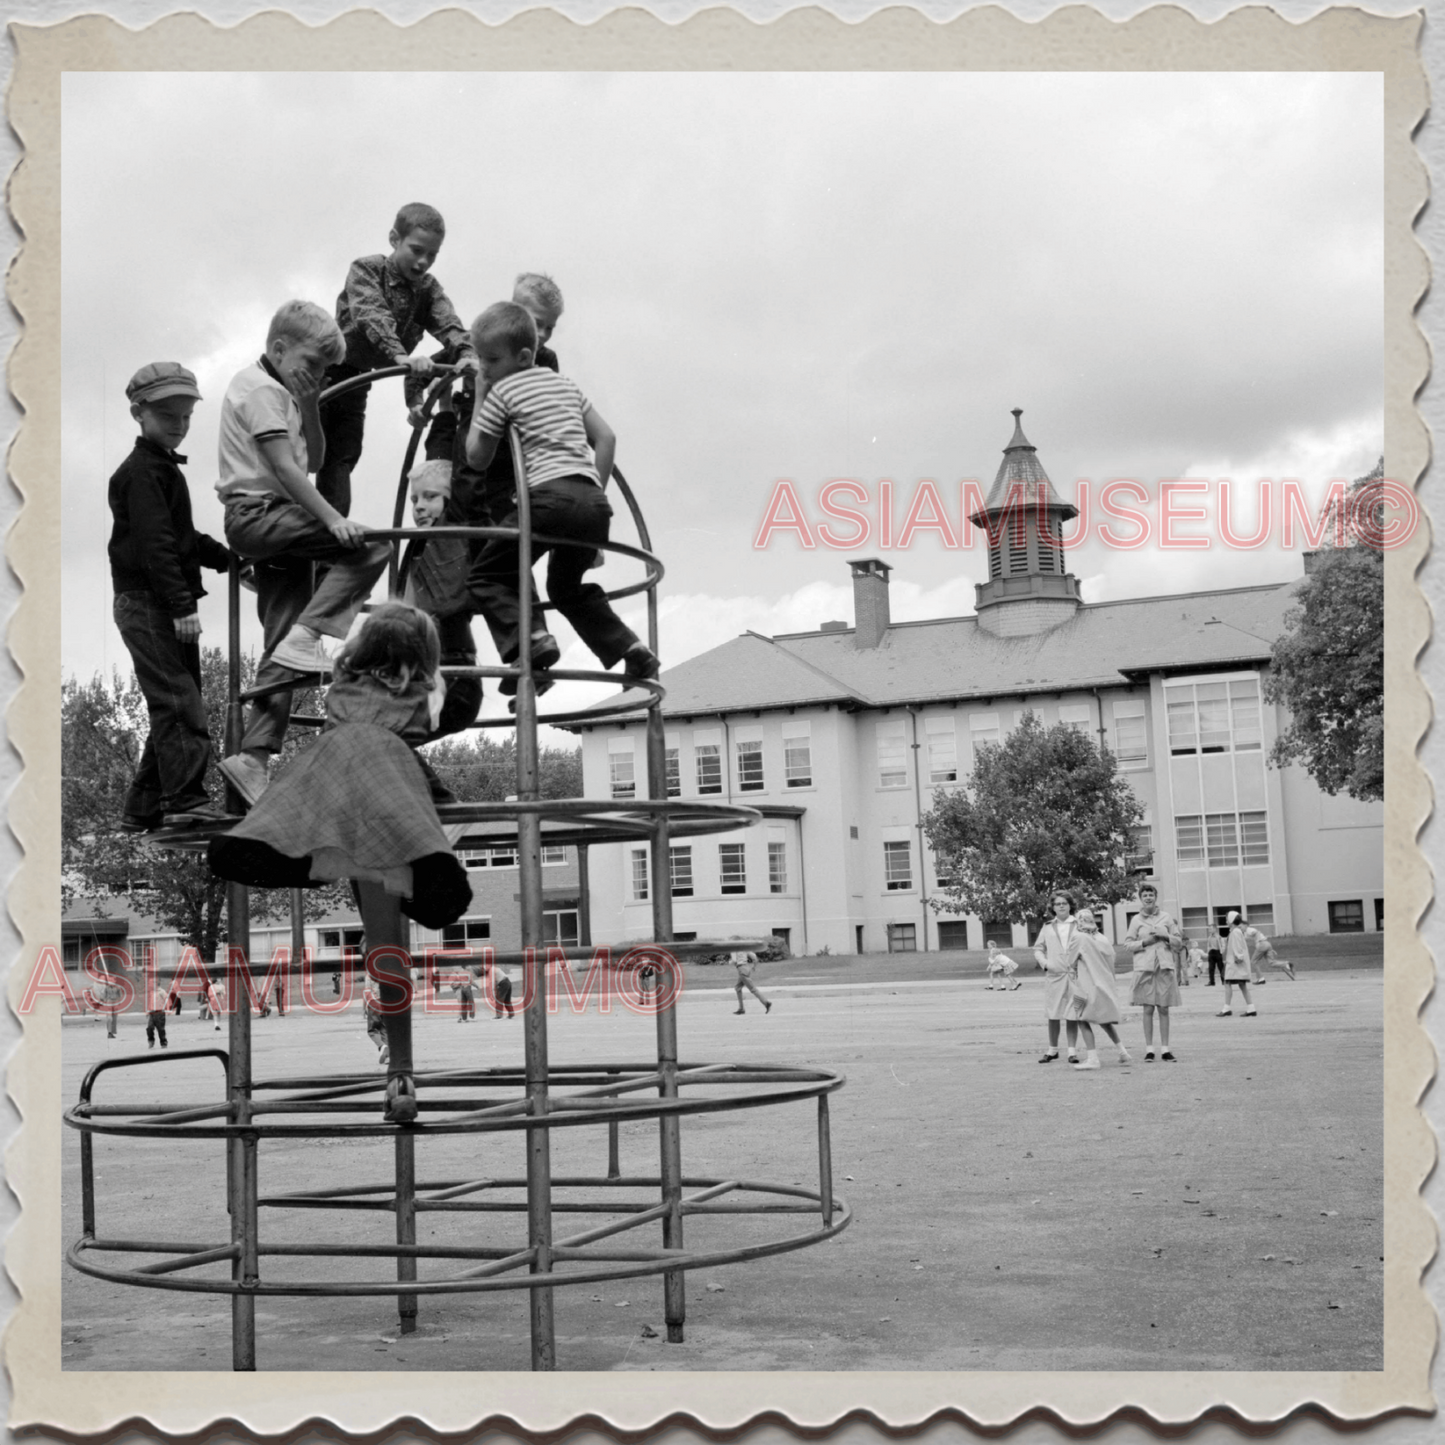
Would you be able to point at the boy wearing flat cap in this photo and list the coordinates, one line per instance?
(156, 556)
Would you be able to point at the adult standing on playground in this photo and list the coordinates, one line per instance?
(1051, 950)
(1152, 938)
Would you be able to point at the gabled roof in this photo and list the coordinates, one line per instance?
(1103, 645)
(1022, 474)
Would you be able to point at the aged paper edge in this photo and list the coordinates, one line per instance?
(78, 1403)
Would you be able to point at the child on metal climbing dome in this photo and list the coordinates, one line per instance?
(270, 438)
(356, 803)
(567, 452)
(436, 581)
(388, 302)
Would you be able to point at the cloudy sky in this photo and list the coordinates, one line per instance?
(768, 277)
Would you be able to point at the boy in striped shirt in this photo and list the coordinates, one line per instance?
(567, 452)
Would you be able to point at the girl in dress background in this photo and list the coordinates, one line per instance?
(1091, 988)
(357, 803)
(1002, 968)
(1152, 937)
(1051, 950)
(1238, 969)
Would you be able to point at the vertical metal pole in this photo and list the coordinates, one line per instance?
(674, 1294)
(614, 1160)
(384, 926)
(241, 1173)
(825, 1161)
(584, 899)
(534, 1016)
(298, 943)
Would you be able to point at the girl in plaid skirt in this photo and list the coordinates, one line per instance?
(357, 804)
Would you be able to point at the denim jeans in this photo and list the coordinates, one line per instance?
(571, 507)
(343, 424)
(172, 772)
(285, 539)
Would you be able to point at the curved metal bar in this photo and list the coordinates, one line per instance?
(365, 378)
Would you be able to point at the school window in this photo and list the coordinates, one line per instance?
(983, 728)
(892, 763)
(1195, 923)
(1347, 917)
(553, 854)
(561, 928)
(1261, 916)
(622, 767)
(1221, 839)
(777, 867)
(674, 772)
(953, 934)
(898, 867)
(1189, 840)
(902, 938)
(797, 755)
(1021, 713)
(707, 760)
(942, 750)
(1379, 915)
(1141, 859)
(464, 932)
(679, 862)
(750, 765)
(1076, 716)
(732, 867)
(639, 875)
(1253, 839)
(1213, 717)
(1131, 740)
(341, 937)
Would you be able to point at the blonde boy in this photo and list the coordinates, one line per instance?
(270, 440)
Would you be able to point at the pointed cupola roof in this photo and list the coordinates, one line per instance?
(1021, 467)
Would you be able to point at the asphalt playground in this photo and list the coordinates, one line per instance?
(1223, 1212)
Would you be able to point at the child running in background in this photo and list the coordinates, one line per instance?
(375, 1027)
(1002, 967)
(1091, 988)
(356, 804)
(1264, 953)
(746, 964)
(465, 991)
(502, 992)
(567, 452)
(387, 304)
(270, 438)
(436, 581)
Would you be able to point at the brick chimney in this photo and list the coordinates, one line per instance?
(870, 601)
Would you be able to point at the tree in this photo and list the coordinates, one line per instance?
(1328, 666)
(479, 769)
(103, 727)
(1044, 810)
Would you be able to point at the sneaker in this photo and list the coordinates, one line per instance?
(246, 775)
(1148, 1056)
(301, 651)
(545, 654)
(129, 823)
(1168, 1057)
(199, 817)
(540, 686)
(150, 1044)
(740, 1010)
(640, 661)
(1091, 1062)
(1073, 1056)
(1125, 1057)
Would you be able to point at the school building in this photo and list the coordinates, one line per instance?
(841, 738)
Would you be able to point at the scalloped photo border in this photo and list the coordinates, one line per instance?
(73, 1403)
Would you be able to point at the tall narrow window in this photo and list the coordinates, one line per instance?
(777, 866)
(1253, 839)
(750, 765)
(1141, 860)
(983, 727)
(639, 875)
(1213, 717)
(673, 766)
(680, 866)
(892, 757)
(732, 867)
(1077, 716)
(1189, 840)
(797, 755)
(622, 767)
(898, 866)
(1131, 739)
(1244, 715)
(1183, 732)
(707, 755)
(1221, 835)
(942, 750)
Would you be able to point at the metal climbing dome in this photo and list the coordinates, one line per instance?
(642, 1216)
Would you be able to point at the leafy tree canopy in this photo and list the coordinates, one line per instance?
(1046, 809)
(1328, 669)
(481, 769)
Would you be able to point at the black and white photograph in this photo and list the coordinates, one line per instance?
(908, 862)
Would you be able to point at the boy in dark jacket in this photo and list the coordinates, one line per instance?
(156, 556)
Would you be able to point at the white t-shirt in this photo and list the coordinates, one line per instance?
(256, 408)
(545, 411)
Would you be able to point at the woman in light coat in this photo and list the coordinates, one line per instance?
(1051, 950)
(1091, 987)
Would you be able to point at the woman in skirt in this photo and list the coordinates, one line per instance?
(1051, 951)
(1152, 938)
(1238, 968)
